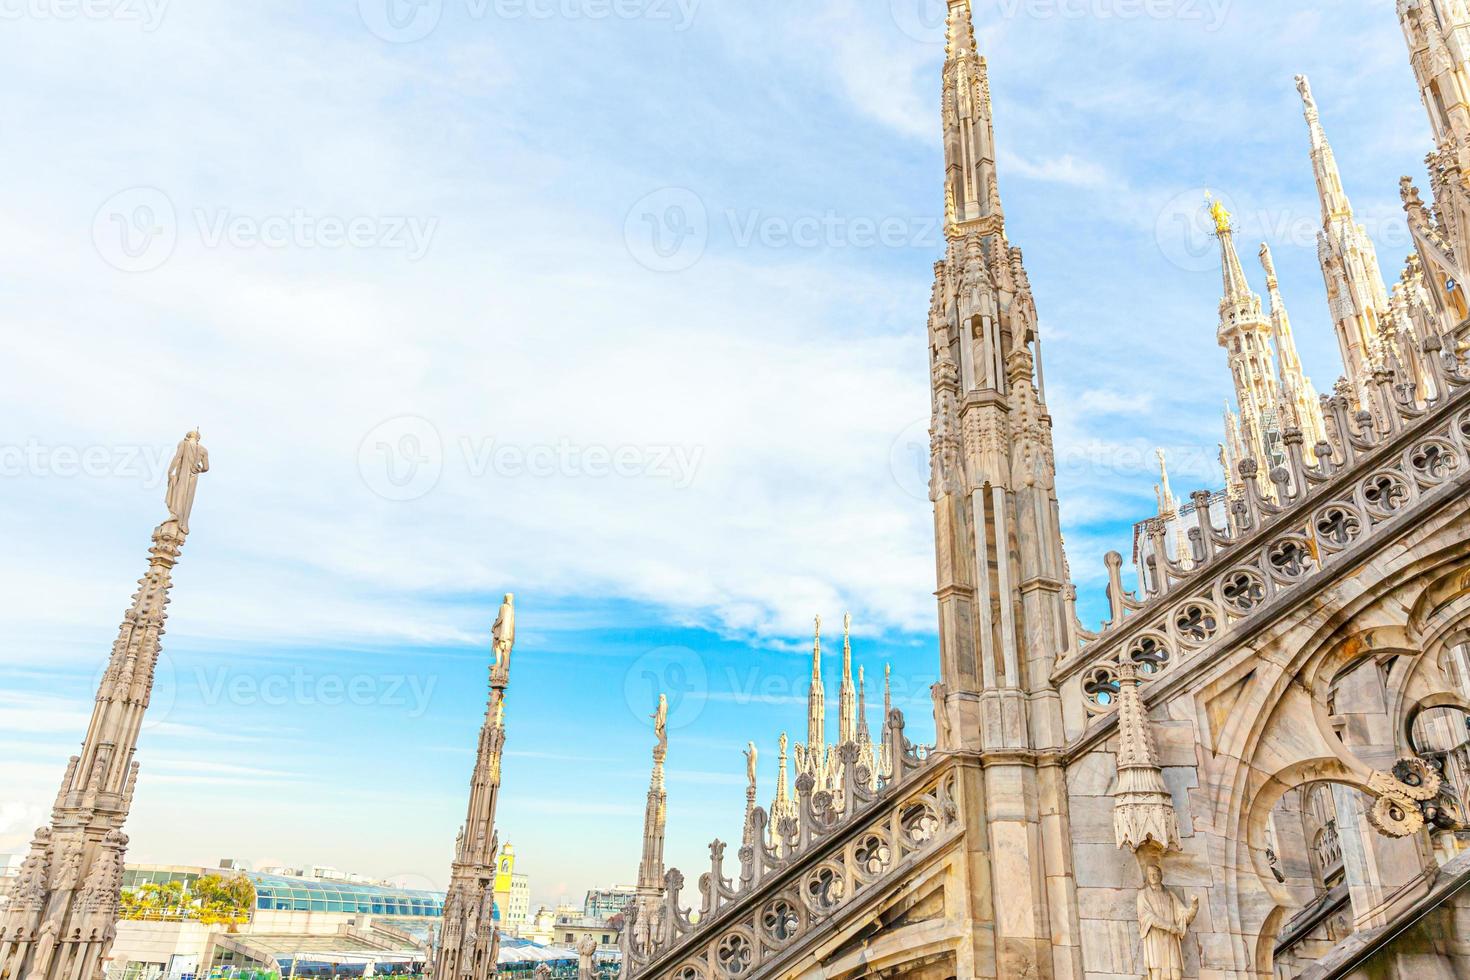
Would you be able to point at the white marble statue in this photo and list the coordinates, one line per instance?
(587, 959)
(661, 722)
(1163, 922)
(503, 633)
(190, 459)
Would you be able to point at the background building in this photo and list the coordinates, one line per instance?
(606, 903)
(294, 919)
(512, 892)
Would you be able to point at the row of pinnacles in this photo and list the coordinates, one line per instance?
(1314, 484)
(1310, 479)
(837, 786)
(1385, 338)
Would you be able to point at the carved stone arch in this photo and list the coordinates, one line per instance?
(1439, 594)
(1416, 707)
(1326, 769)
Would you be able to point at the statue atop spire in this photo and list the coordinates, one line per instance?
(1168, 505)
(469, 942)
(1245, 334)
(1334, 200)
(1300, 405)
(190, 460)
(62, 922)
(650, 890)
(503, 634)
(1219, 213)
(1356, 295)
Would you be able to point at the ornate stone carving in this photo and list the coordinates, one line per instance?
(1143, 810)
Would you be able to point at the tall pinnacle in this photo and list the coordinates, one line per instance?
(655, 819)
(847, 697)
(1334, 199)
(971, 192)
(1356, 295)
(1245, 334)
(1236, 295)
(60, 923)
(470, 942)
(783, 807)
(816, 702)
(1168, 506)
(1298, 397)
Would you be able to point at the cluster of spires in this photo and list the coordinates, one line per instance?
(1377, 332)
(854, 765)
(815, 757)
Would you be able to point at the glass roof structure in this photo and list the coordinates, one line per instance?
(279, 893)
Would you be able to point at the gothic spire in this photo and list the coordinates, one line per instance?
(816, 707)
(847, 697)
(61, 924)
(751, 757)
(650, 889)
(783, 806)
(971, 191)
(1334, 199)
(1355, 292)
(1245, 334)
(1299, 401)
(1236, 298)
(1168, 505)
(470, 941)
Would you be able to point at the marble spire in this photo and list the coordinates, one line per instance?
(1168, 504)
(60, 923)
(469, 941)
(971, 191)
(751, 757)
(783, 807)
(812, 757)
(847, 696)
(1300, 404)
(1355, 292)
(650, 890)
(1245, 334)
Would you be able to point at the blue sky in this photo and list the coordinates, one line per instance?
(617, 307)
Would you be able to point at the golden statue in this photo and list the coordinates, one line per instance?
(1218, 212)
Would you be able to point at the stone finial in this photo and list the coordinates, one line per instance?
(1143, 810)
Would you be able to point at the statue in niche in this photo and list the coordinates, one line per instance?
(939, 693)
(1163, 922)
